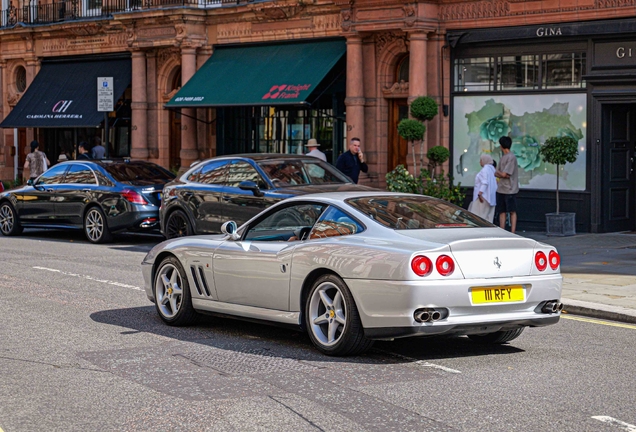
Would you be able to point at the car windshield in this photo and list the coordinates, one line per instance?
(403, 212)
(292, 172)
(132, 172)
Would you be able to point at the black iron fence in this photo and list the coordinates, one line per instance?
(68, 10)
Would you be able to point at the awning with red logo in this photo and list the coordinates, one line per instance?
(64, 93)
(273, 74)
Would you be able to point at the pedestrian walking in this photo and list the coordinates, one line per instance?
(485, 191)
(36, 161)
(313, 145)
(82, 150)
(99, 150)
(352, 161)
(508, 187)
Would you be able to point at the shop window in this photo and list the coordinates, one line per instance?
(20, 79)
(518, 72)
(563, 70)
(474, 74)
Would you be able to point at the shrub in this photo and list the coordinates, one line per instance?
(411, 130)
(435, 185)
(424, 108)
(559, 151)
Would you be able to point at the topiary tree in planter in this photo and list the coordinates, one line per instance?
(559, 151)
(423, 108)
(437, 156)
(412, 131)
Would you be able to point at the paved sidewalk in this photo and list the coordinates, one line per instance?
(599, 273)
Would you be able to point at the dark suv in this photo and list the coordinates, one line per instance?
(238, 187)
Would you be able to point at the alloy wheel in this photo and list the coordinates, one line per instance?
(168, 290)
(327, 314)
(7, 219)
(177, 225)
(94, 225)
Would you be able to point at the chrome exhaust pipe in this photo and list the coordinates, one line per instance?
(549, 307)
(559, 307)
(422, 316)
(435, 315)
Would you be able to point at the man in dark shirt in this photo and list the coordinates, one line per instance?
(352, 162)
(82, 151)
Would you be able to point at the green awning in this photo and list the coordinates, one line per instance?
(278, 74)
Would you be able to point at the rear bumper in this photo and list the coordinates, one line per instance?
(136, 220)
(387, 308)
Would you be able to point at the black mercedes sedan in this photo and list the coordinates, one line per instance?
(238, 187)
(100, 197)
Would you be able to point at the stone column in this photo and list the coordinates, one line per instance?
(203, 126)
(139, 108)
(354, 100)
(189, 152)
(417, 66)
(153, 106)
(32, 68)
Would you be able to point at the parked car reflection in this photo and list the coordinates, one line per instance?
(238, 187)
(100, 197)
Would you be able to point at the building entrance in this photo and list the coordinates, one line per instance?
(618, 184)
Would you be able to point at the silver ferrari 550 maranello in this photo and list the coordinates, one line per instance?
(353, 267)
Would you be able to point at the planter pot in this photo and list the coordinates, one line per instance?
(561, 224)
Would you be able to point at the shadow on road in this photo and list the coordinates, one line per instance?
(77, 236)
(265, 339)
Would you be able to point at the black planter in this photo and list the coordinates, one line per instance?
(560, 224)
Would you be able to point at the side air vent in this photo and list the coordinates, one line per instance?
(200, 281)
(196, 279)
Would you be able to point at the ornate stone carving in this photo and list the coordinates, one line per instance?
(167, 55)
(387, 38)
(274, 11)
(328, 22)
(13, 99)
(88, 29)
(604, 4)
(410, 14)
(130, 36)
(472, 10)
(345, 19)
(397, 87)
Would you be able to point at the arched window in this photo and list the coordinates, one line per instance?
(402, 73)
(20, 79)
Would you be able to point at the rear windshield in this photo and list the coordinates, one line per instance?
(131, 172)
(290, 172)
(415, 212)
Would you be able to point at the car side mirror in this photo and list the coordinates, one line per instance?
(251, 186)
(30, 182)
(229, 228)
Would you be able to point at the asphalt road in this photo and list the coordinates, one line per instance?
(82, 349)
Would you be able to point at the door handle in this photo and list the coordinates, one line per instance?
(48, 190)
(86, 190)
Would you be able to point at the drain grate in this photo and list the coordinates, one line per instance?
(248, 362)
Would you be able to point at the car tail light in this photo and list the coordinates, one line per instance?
(540, 261)
(554, 259)
(421, 265)
(445, 265)
(133, 197)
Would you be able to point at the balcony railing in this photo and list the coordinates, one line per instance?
(68, 10)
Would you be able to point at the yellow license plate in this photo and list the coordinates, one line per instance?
(498, 294)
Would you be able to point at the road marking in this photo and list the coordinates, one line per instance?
(610, 420)
(418, 362)
(119, 284)
(595, 321)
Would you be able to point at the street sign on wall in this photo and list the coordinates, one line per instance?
(105, 90)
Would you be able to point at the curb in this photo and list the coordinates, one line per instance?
(597, 310)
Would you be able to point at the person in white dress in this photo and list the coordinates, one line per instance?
(485, 191)
(313, 145)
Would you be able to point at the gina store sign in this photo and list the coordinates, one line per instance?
(59, 111)
(615, 54)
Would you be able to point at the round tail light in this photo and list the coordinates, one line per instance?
(421, 265)
(445, 265)
(540, 261)
(554, 259)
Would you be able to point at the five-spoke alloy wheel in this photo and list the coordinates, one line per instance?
(9, 222)
(332, 319)
(172, 294)
(95, 226)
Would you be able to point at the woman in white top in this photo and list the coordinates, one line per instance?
(484, 194)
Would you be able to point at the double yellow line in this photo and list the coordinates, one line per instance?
(595, 321)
